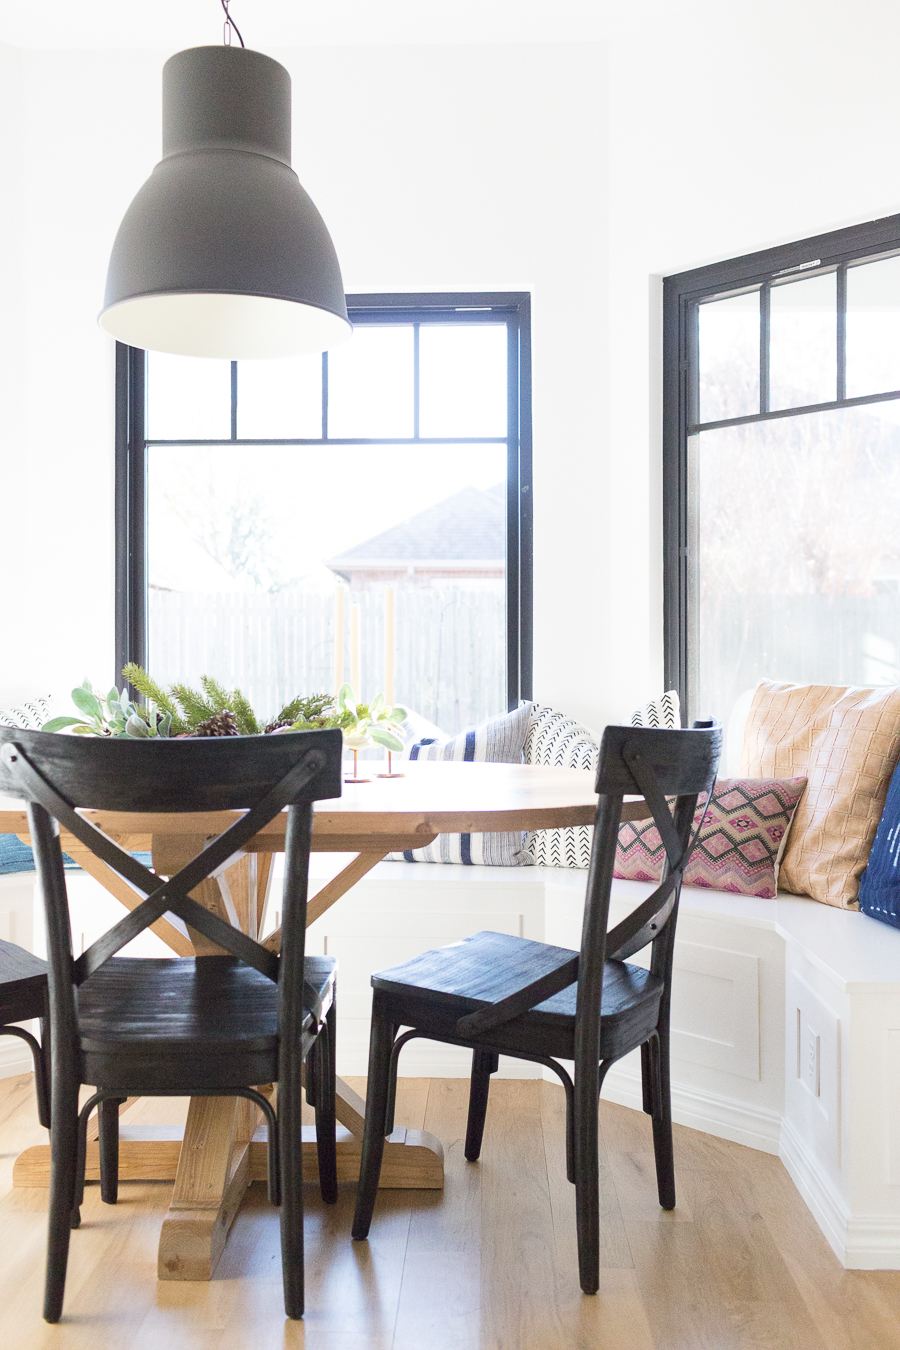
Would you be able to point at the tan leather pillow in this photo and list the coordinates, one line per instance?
(846, 743)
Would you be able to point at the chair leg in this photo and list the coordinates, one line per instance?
(326, 1121)
(63, 1165)
(42, 1075)
(648, 1095)
(108, 1122)
(484, 1063)
(587, 1178)
(380, 1045)
(658, 1055)
(391, 1107)
(290, 1155)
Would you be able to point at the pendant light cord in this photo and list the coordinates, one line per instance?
(230, 26)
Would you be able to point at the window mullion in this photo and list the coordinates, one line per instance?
(842, 331)
(765, 295)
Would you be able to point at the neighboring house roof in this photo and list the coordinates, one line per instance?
(468, 527)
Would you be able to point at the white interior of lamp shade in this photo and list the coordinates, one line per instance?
(233, 327)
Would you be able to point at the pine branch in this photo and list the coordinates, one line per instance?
(193, 705)
(248, 722)
(154, 693)
(219, 699)
(306, 707)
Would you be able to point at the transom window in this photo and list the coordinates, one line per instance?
(782, 467)
(360, 515)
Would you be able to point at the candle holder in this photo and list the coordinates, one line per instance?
(389, 774)
(356, 778)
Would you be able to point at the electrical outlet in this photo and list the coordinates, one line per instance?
(808, 1055)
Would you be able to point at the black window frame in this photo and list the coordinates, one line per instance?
(682, 293)
(131, 445)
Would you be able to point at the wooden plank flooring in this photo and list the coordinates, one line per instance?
(490, 1265)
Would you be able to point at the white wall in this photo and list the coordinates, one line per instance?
(732, 128)
(436, 169)
(580, 172)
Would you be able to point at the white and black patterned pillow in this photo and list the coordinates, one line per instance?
(560, 741)
(498, 742)
(664, 712)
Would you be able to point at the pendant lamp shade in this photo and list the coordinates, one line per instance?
(222, 253)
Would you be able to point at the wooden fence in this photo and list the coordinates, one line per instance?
(450, 646)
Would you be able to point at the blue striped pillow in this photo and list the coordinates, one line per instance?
(499, 742)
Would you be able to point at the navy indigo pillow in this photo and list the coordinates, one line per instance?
(879, 885)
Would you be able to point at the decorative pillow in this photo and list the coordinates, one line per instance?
(18, 857)
(879, 885)
(558, 740)
(497, 742)
(743, 829)
(664, 712)
(846, 742)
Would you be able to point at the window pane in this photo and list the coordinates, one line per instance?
(462, 380)
(245, 563)
(279, 399)
(188, 397)
(803, 342)
(370, 383)
(795, 568)
(873, 328)
(729, 357)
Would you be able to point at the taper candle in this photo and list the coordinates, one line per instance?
(355, 667)
(389, 645)
(338, 637)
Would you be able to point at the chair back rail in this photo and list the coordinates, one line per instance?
(57, 775)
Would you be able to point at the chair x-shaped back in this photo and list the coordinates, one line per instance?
(172, 895)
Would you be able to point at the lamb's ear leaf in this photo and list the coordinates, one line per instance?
(346, 699)
(86, 702)
(381, 734)
(57, 723)
(137, 727)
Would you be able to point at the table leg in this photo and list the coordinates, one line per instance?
(213, 1173)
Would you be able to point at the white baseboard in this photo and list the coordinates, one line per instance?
(864, 1243)
(724, 1117)
(825, 1203)
(15, 1057)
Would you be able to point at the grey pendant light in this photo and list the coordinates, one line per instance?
(222, 253)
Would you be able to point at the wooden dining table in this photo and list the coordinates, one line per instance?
(221, 1148)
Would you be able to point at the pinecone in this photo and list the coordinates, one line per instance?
(276, 725)
(220, 724)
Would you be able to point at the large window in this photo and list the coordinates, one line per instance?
(782, 469)
(361, 515)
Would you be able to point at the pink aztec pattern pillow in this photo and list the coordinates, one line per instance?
(743, 831)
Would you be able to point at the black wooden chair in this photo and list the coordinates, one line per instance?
(507, 995)
(210, 1026)
(23, 995)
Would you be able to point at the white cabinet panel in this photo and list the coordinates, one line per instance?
(715, 1008)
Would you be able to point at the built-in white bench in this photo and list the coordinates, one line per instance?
(786, 1014)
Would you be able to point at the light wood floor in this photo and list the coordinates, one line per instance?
(490, 1265)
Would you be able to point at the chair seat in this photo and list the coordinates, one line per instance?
(434, 990)
(150, 1023)
(23, 984)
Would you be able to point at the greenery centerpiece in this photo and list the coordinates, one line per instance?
(213, 710)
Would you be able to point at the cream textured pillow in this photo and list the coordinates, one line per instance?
(846, 743)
